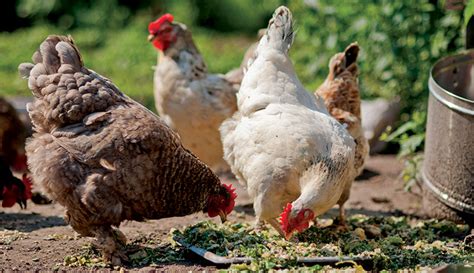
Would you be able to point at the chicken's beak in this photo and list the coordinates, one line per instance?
(151, 37)
(223, 216)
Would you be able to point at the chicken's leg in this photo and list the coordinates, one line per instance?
(258, 225)
(342, 215)
(342, 200)
(111, 243)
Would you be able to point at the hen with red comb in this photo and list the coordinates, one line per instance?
(293, 157)
(192, 101)
(105, 157)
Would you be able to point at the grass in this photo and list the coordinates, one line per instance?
(123, 55)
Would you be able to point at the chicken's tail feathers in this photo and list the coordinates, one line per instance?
(351, 53)
(344, 61)
(280, 32)
(66, 91)
(55, 54)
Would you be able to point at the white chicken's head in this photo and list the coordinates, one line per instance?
(164, 33)
(292, 220)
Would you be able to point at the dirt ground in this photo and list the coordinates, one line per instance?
(48, 239)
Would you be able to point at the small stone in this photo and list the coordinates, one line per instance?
(35, 259)
(372, 231)
(360, 233)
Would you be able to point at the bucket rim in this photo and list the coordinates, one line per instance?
(444, 197)
(441, 69)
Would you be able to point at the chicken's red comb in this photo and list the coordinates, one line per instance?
(233, 195)
(284, 217)
(155, 25)
(231, 190)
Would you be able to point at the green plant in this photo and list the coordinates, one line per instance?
(399, 41)
(410, 136)
(400, 243)
(123, 55)
(468, 11)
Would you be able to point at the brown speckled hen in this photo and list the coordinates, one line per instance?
(341, 95)
(105, 157)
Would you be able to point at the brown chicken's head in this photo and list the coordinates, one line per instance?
(295, 220)
(18, 192)
(162, 32)
(221, 203)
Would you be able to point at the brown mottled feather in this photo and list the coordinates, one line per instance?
(102, 155)
(341, 95)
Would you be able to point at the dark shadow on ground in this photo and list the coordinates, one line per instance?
(28, 222)
(332, 213)
(366, 175)
(247, 209)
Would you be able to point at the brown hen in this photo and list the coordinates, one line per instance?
(105, 157)
(341, 95)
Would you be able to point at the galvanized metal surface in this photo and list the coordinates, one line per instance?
(448, 168)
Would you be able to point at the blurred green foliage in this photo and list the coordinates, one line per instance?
(411, 137)
(119, 51)
(400, 40)
(468, 11)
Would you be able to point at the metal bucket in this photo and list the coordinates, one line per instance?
(448, 167)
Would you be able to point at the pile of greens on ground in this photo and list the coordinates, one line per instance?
(144, 250)
(391, 242)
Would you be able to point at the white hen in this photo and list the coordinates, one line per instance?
(189, 99)
(282, 143)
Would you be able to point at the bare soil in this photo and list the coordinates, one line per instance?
(47, 239)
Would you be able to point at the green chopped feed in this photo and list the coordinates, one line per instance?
(392, 242)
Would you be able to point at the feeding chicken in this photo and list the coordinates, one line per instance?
(12, 137)
(340, 92)
(294, 158)
(189, 99)
(105, 157)
(12, 189)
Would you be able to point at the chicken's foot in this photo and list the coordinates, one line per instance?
(111, 242)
